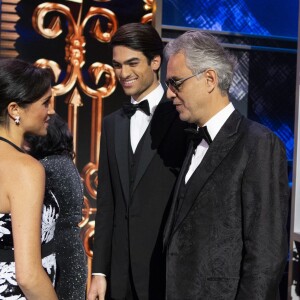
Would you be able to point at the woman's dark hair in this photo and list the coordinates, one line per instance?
(59, 140)
(139, 37)
(21, 82)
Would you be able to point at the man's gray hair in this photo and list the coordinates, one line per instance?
(203, 51)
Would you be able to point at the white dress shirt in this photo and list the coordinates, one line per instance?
(140, 121)
(213, 127)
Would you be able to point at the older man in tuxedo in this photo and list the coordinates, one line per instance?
(226, 236)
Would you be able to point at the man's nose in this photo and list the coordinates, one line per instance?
(125, 72)
(170, 94)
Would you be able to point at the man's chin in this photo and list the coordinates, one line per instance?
(183, 117)
(128, 91)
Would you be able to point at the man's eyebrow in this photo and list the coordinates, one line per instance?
(131, 60)
(175, 78)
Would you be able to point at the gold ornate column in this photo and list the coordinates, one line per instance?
(74, 83)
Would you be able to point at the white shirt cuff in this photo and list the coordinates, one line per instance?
(99, 274)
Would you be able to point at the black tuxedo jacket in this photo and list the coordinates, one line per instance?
(228, 239)
(128, 230)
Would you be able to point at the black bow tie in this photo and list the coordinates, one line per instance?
(198, 135)
(130, 109)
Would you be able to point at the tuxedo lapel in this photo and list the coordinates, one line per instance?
(122, 150)
(158, 127)
(218, 150)
(147, 154)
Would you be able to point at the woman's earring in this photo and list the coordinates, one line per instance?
(17, 120)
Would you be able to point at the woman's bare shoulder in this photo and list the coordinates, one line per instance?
(21, 177)
(19, 167)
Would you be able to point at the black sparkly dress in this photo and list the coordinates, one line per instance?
(63, 179)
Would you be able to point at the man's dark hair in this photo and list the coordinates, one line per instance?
(139, 37)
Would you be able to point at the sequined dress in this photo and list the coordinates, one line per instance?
(63, 179)
(9, 288)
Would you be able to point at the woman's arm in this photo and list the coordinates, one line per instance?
(26, 195)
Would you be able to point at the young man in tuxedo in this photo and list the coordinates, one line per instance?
(226, 235)
(139, 164)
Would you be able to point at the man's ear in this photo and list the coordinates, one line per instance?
(156, 62)
(13, 110)
(211, 79)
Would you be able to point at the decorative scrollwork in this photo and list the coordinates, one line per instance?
(96, 29)
(75, 44)
(148, 4)
(90, 177)
(147, 18)
(75, 57)
(88, 236)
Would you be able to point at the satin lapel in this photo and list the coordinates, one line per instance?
(162, 119)
(122, 150)
(173, 210)
(218, 150)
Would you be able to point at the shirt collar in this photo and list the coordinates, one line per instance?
(217, 121)
(153, 98)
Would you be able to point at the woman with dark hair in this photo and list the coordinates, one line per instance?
(27, 258)
(55, 152)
